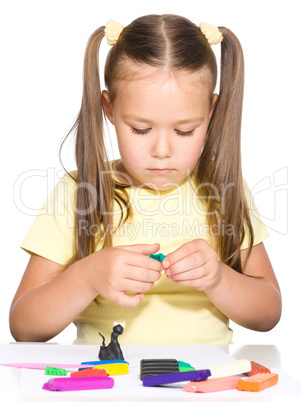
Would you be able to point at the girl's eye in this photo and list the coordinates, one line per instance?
(136, 131)
(146, 130)
(185, 133)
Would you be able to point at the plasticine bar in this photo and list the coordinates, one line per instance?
(113, 369)
(228, 369)
(98, 362)
(258, 382)
(158, 362)
(55, 371)
(89, 373)
(42, 366)
(158, 366)
(213, 384)
(78, 383)
(162, 366)
(169, 378)
(183, 364)
(158, 370)
(257, 369)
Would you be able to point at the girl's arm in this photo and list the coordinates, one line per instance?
(251, 299)
(49, 297)
(47, 300)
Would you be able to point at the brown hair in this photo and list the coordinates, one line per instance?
(175, 43)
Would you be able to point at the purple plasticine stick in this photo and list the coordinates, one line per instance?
(78, 383)
(169, 378)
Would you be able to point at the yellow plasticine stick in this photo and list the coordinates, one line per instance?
(113, 369)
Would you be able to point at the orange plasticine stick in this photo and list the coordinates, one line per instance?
(258, 382)
(213, 384)
(257, 369)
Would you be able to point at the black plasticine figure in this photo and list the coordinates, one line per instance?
(113, 350)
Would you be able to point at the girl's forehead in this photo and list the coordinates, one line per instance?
(161, 96)
(145, 78)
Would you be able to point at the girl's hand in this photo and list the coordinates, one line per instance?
(193, 264)
(117, 270)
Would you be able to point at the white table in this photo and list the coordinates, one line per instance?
(129, 388)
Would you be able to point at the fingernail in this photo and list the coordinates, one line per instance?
(167, 272)
(165, 264)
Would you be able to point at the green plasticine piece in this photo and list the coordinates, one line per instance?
(183, 364)
(159, 257)
(55, 371)
(183, 368)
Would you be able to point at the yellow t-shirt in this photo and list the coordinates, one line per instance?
(169, 313)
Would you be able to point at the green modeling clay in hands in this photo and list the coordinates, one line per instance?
(159, 257)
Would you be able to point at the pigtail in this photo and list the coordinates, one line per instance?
(220, 164)
(95, 186)
(95, 191)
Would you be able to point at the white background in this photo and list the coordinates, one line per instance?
(42, 50)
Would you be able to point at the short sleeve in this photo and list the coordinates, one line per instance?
(52, 233)
(260, 230)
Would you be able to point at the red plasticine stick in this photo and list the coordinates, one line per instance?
(257, 369)
(258, 382)
(213, 384)
(89, 373)
(78, 383)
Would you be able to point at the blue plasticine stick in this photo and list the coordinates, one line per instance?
(169, 378)
(98, 362)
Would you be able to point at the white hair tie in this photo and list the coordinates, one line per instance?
(112, 31)
(212, 33)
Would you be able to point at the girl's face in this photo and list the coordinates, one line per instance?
(161, 120)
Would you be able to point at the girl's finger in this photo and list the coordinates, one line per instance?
(146, 249)
(124, 300)
(188, 263)
(183, 251)
(136, 286)
(193, 274)
(142, 261)
(194, 283)
(139, 274)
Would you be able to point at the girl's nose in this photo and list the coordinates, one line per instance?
(162, 147)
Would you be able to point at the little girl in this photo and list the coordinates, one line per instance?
(177, 189)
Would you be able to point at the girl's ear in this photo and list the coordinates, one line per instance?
(214, 100)
(107, 106)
